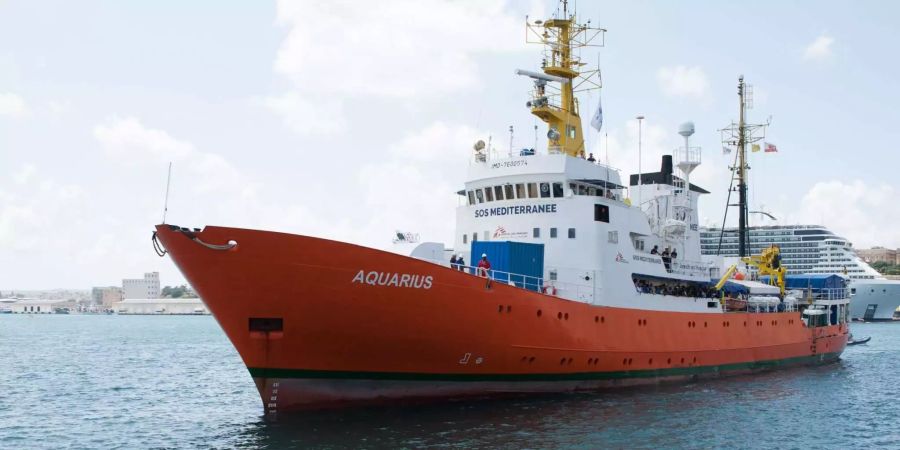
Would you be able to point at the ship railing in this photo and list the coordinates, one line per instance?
(810, 295)
(572, 291)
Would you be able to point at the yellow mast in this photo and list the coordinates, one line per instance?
(558, 107)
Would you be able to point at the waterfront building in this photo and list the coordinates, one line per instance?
(170, 306)
(879, 254)
(106, 296)
(147, 287)
(35, 306)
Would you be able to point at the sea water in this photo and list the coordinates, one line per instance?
(81, 381)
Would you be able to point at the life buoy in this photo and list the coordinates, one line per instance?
(549, 290)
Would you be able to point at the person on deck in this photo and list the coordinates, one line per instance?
(453, 262)
(484, 266)
(674, 253)
(460, 263)
(591, 158)
(655, 250)
(666, 259)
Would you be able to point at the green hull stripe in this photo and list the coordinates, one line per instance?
(257, 372)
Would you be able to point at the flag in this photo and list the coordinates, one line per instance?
(771, 148)
(597, 121)
(726, 150)
(755, 148)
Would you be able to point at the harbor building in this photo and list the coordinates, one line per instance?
(163, 306)
(879, 254)
(147, 287)
(35, 306)
(106, 296)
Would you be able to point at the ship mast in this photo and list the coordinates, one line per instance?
(738, 135)
(561, 37)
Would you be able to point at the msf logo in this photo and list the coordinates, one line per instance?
(500, 231)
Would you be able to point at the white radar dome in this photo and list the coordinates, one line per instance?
(686, 129)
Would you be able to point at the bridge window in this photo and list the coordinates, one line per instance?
(553, 233)
(471, 198)
(545, 190)
(557, 190)
(532, 190)
(479, 195)
(498, 192)
(488, 194)
(510, 194)
(582, 190)
(520, 190)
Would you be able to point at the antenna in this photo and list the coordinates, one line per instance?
(166, 203)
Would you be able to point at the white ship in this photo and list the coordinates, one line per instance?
(815, 249)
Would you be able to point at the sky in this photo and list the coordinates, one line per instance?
(351, 120)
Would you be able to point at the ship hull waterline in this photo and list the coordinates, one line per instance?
(320, 323)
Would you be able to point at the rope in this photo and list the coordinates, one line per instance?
(157, 247)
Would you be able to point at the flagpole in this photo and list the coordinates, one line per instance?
(640, 120)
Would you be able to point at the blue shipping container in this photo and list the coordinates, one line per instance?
(518, 263)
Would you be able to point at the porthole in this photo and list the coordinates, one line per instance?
(539, 313)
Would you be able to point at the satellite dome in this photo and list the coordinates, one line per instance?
(686, 129)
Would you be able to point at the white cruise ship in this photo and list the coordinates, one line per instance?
(814, 249)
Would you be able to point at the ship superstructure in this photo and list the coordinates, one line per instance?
(588, 289)
(813, 249)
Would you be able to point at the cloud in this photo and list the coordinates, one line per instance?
(338, 50)
(820, 49)
(415, 188)
(856, 210)
(12, 105)
(128, 139)
(683, 81)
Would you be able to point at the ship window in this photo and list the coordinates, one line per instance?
(536, 233)
(545, 190)
(465, 239)
(498, 192)
(591, 191)
(532, 190)
(582, 190)
(639, 244)
(571, 233)
(553, 233)
(510, 194)
(520, 190)
(553, 275)
(570, 130)
(486, 235)
(557, 190)
(599, 192)
(613, 237)
(488, 194)
(471, 198)
(474, 236)
(601, 213)
(479, 195)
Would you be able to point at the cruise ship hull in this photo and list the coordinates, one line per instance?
(320, 323)
(874, 300)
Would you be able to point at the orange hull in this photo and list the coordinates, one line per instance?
(347, 337)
